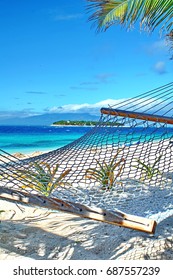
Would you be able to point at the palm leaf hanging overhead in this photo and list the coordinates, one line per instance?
(150, 13)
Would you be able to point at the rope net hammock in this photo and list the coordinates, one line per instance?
(122, 164)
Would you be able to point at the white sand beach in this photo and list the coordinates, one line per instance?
(41, 234)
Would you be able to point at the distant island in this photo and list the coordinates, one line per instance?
(75, 123)
(82, 123)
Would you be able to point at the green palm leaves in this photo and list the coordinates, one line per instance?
(170, 39)
(150, 13)
(105, 173)
(42, 178)
(148, 170)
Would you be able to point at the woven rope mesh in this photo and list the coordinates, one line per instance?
(125, 162)
(117, 160)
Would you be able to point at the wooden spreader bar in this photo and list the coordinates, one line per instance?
(136, 115)
(116, 217)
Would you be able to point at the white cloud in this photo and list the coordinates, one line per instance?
(69, 108)
(145, 104)
(36, 92)
(67, 17)
(17, 114)
(156, 47)
(160, 67)
(83, 88)
(84, 108)
(104, 77)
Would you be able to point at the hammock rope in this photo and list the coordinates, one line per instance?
(119, 162)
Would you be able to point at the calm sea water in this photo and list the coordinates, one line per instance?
(27, 139)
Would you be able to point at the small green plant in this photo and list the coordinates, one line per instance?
(41, 177)
(105, 174)
(148, 170)
(1, 211)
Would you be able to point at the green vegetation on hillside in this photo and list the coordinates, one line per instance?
(81, 123)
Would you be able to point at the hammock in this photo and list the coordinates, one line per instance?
(125, 157)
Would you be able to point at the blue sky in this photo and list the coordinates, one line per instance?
(51, 60)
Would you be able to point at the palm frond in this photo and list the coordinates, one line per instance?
(143, 164)
(156, 161)
(95, 173)
(170, 41)
(55, 169)
(46, 165)
(41, 177)
(104, 173)
(150, 13)
(62, 175)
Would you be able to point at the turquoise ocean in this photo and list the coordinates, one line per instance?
(29, 139)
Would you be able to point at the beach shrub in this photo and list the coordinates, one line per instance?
(105, 173)
(42, 177)
(148, 170)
